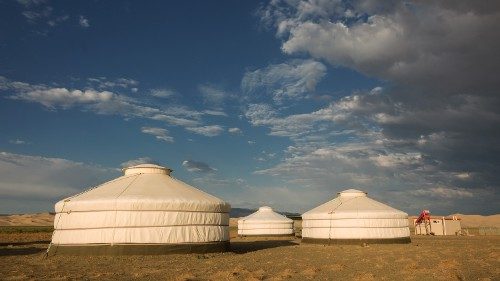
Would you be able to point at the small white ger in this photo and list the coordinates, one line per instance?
(265, 222)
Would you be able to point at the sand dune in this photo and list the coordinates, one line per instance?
(468, 221)
(46, 219)
(39, 219)
(477, 220)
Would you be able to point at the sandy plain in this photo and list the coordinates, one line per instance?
(425, 258)
(25, 238)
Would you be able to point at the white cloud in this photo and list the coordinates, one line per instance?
(83, 21)
(464, 176)
(105, 83)
(29, 3)
(215, 113)
(443, 192)
(213, 95)
(197, 167)
(293, 80)
(208, 131)
(55, 97)
(110, 103)
(138, 161)
(159, 133)
(235, 131)
(40, 13)
(163, 93)
(397, 159)
(298, 125)
(176, 121)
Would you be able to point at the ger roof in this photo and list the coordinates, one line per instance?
(353, 203)
(265, 214)
(143, 189)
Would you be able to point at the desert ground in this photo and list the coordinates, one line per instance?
(425, 258)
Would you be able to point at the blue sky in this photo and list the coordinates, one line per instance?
(282, 103)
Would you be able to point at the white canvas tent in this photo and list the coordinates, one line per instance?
(352, 217)
(146, 211)
(265, 222)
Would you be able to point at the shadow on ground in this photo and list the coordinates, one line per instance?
(11, 251)
(25, 243)
(242, 247)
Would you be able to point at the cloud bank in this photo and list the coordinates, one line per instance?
(435, 120)
(35, 182)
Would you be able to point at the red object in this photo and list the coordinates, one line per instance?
(424, 215)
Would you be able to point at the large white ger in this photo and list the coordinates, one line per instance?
(146, 211)
(352, 217)
(265, 222)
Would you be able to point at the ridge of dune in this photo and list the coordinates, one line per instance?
(478, 220)
(38, 219)
(47, 219)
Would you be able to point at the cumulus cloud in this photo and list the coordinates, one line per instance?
(434, 123)
(40, 14)
(213, 95)
(106, 83)
(62, 97)
(83, 21)
(159, 133)
(138, 161)
(443, 192)
(197, 167)
(30, 3)
(208, 131)
(293, 80)
(405, 41)
(235, 131)
(110, 102)
(43, 180)
(37, 11)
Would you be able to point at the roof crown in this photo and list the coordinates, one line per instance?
(265, 209)
(146, 169)
(352, 193)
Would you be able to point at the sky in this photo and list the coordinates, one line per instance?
(281, 103)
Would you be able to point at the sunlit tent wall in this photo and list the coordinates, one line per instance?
(146, 211)
(352, 217)
(265, 222)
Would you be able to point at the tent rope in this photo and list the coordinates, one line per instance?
(331, 217)
(64, 205)
(116, 211)
(55, 229)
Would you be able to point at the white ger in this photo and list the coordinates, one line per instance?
(352, 217)
(146, 211)
(265, 222)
